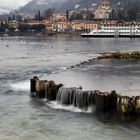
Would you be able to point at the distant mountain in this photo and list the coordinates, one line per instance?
(62, 5)
(33, 6)
(78, 4)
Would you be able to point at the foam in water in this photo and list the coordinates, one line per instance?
(55, 105)
(73, 99)
(21, 86)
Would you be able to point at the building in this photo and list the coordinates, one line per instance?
(50, 25)
(63, 25)
(84, 25)
(59, 16)
(103, 11)
(13, 23)
(60, 26)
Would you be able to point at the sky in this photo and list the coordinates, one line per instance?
(13, 4)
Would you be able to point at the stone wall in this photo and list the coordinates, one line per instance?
(101, 101)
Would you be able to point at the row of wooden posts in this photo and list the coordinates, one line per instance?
(102, 101)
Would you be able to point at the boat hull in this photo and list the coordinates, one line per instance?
(110, 36)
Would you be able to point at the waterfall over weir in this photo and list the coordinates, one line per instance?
(76, 97)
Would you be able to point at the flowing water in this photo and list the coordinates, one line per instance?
(26, 118)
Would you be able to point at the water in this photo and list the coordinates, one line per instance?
(24, 118)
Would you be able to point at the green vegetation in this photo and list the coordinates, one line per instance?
(5, 27)
(121, 55)
(27, 27)
(129, 11)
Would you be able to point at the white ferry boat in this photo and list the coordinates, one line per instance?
(130, 31)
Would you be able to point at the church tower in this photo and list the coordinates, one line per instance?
(105, 3)
(103, 10)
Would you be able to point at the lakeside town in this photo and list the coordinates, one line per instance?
(65, 22)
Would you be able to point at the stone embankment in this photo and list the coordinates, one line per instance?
(96, 100)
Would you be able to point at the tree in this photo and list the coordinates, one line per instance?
(9, 18)
(14, 17)
(1, 22)
(48, 13)
(113, 15)
(132, 14)
(27, 27)
(19, 18)
(24, 27)
(2, 29)
(36, 17)
(90, 16)
(79, 16)
(39, 15)
(38, 27)
(76, 16)
(11, 29)
(67, 15)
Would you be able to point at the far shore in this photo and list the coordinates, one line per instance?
(35, 33)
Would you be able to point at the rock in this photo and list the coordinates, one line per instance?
(40, 88)
(72, 66)
(137, 103)
(120, 55)
(44, 88)
(51, 90)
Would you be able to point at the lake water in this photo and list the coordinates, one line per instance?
(25, 118)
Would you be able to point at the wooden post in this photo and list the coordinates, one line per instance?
(32, 85)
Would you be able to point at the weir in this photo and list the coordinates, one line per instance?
(96, 100)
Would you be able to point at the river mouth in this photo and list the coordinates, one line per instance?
(23, 117)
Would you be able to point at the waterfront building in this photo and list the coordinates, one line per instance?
(63, 25)
(60, 26)
(35, 22)
(50, 25)
(84, 25)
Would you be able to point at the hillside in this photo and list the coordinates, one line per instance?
(35, 5)
(59, 5)
(62, 5)
(130, 7)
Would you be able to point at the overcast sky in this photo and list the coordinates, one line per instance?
(13, 3)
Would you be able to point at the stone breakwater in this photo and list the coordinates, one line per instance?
(120, 55)
(96, 100)
(111, 55)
